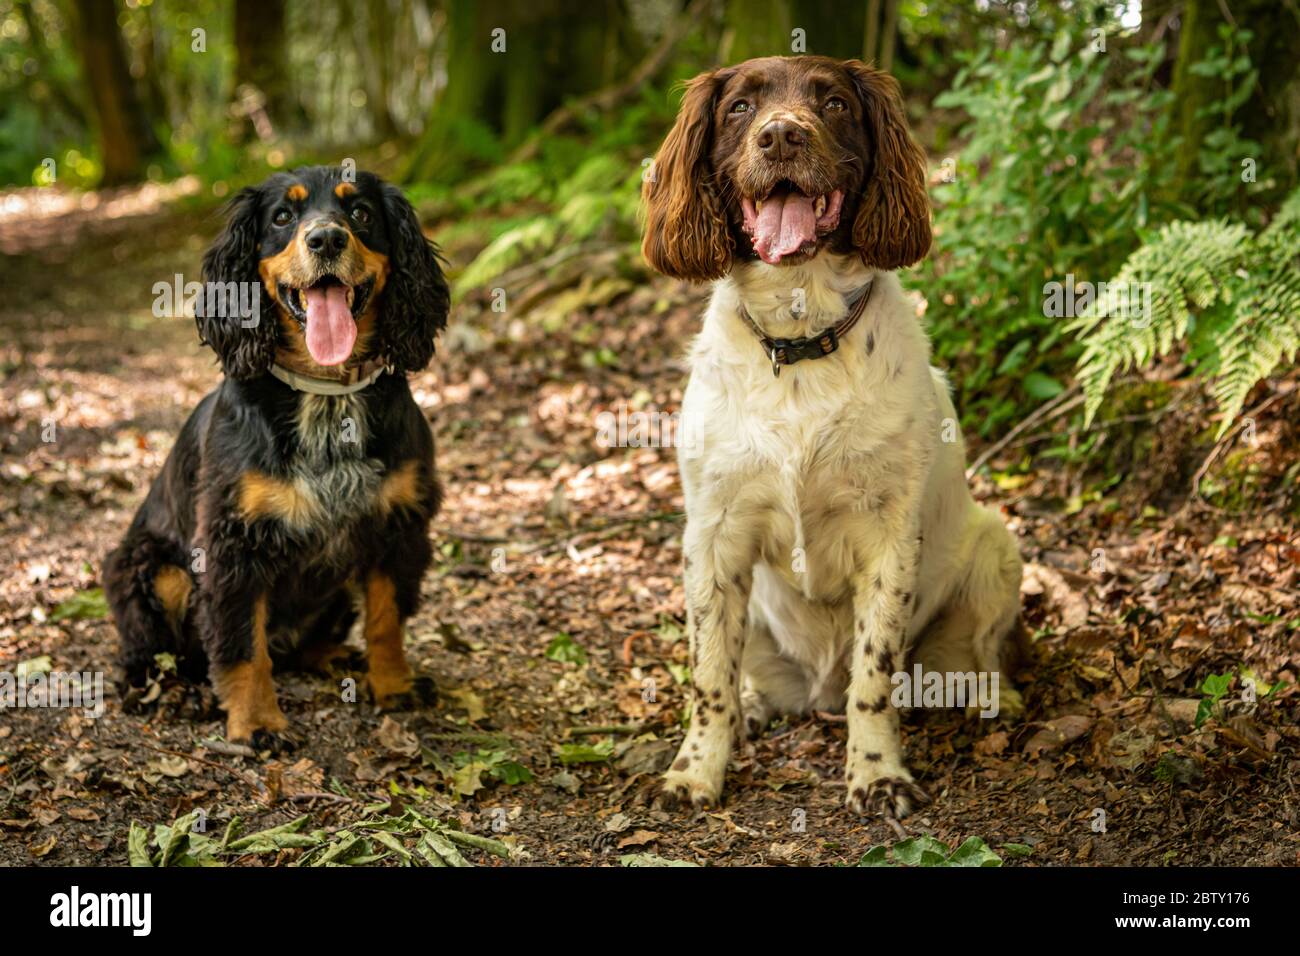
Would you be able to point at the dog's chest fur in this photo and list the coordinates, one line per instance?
(812, 459)
(330, 468)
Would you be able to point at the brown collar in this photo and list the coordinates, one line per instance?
(350, 380)
(789, 351)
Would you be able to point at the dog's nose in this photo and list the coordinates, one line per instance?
(781, 139)
(327, 241)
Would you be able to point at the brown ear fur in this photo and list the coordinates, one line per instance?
(892, 229)
(685, 234)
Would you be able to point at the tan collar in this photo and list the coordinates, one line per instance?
(350, 380)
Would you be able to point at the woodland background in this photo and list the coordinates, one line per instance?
(1149, 469)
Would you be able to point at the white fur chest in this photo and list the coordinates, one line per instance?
(827, 443)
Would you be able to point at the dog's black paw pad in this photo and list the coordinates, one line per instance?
(422, 693)
(892, 798)
(275, 742)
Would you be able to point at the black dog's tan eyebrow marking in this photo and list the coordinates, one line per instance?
(296, 193)
(344, 189)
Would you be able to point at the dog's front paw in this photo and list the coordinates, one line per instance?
(756, 711)
(249, 725)
(685, 785)
(411, 694)
(276, 741)
(892, 797)
(1011, 705)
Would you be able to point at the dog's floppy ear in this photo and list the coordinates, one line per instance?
(416, 298)
(686, 233)
(892, 228)
(245, 343)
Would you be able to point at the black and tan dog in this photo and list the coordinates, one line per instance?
(303, 485)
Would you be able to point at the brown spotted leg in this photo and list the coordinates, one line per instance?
(883, 599)
(717, 580)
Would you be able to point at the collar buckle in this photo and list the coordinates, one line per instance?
(788, 351)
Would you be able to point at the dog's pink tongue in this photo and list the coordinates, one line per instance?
(331, 333)
(783, 225)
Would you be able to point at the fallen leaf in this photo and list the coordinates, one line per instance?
(395, 738)
(638, 838)
(1056, 733)
(469, 701)
(1069, 603)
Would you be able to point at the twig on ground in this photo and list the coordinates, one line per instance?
(249, 779)
(1221, 445)
(229, 749)
(318, 795)
(1055, 408)
(595, 729)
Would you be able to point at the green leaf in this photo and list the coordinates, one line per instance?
(585, 753)
(974, 852)
(1203, 711)
(876, 856)
(564, 648)
(174, 841)
(1042, 387)
(33, 666)
(264, 837)
(651, 859)
(920, 851)
(445, 849)
(1216, 685)
(137, 846)
(85, 604)
(390, 841)
(511, 773)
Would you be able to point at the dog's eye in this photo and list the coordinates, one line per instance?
(835, 104)
(282, 217)
(740, 106)
(361, 215)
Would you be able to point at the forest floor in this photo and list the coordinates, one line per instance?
(556, 602)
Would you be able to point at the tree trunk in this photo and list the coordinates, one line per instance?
(126, 139)
(831, 27)
(262, 65)
(871, 38)
(553, 51)
(1270, 117)
(888, 36)
(379, 36)
(152, 73)
(756, 28)
(65, 98)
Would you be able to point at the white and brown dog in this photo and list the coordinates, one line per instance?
(831, 539)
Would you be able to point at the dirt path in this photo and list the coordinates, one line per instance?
(557, 603)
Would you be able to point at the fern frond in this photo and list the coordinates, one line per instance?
(1185, 267)
(1265, 330)
(508, 250)
(1193, 267)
